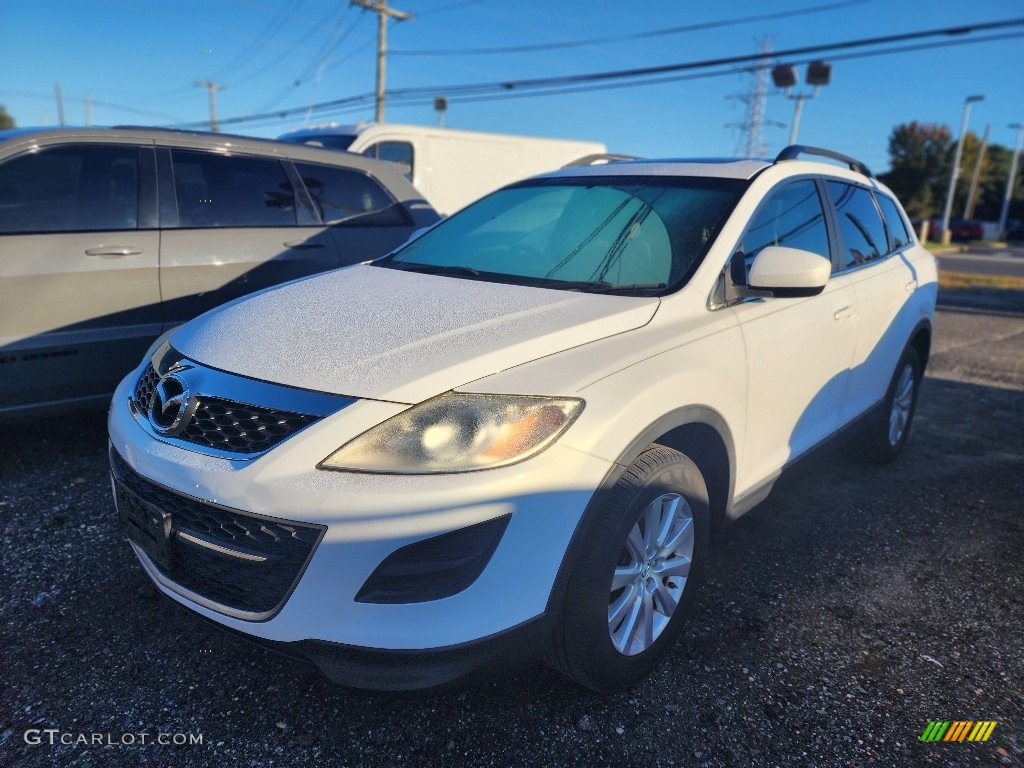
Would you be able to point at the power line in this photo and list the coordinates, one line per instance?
(462, 92)
(557, 91)
(451, 7)
(107, 104)
(334, 38)
(725, 60)
(360, 102)
(621, 38)
(264, 36)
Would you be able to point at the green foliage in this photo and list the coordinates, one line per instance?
(921, 156)
(6, 121)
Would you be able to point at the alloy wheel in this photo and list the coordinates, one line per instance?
(651, 574)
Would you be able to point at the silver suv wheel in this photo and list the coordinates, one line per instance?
(651, 575)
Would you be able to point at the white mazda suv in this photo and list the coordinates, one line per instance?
(511, 437)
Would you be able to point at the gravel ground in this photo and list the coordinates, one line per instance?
(836, 620)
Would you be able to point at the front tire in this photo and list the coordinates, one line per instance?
(627, 596)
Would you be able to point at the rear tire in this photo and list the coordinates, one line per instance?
(887, 430)
(627, 595)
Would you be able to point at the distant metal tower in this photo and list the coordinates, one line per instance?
(751, 142)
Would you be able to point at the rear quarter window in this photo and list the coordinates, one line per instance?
(899, 236)
(348, 198)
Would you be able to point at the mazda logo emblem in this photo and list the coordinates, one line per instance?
(169, 407)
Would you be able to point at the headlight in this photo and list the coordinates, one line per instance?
(458, 432)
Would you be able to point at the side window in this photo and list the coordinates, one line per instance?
(399, 152)
(899, 237)
(73, 188)
(859, 223)
(215, 190)
(792, 217)
(341, 196)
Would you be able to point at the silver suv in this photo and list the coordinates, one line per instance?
(110, 236)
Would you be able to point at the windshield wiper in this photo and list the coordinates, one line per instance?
(609, 288)
(434, 269)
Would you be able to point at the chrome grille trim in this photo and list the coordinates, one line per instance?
(229, 416)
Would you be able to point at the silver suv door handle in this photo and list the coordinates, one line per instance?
(843, 313)
(111, 251)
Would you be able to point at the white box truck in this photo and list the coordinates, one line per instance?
(450, 168)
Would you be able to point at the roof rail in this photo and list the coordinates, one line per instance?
(599, 159)
(793, 151)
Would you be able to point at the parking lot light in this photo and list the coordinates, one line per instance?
(1010, 180)
(946, 234)
(819, 73)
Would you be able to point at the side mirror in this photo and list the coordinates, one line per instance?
(789, 272)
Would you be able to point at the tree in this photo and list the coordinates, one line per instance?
(6, 121)
(920, 155)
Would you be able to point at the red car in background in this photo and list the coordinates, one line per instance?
(960, 230)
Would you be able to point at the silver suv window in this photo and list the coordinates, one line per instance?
(71, 188)
(215, 190)
(354, 199)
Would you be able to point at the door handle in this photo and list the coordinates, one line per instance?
(911, 286)
(843, 313)
(304, 244)
(113, 251)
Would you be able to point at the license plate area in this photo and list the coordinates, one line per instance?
(145, 524)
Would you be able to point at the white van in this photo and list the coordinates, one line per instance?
(450, 168)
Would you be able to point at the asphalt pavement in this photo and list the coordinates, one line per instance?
(985, 260)
(836, 621)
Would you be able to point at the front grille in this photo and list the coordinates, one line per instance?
(144, 389)
(227, 425)
(230, 426)
(246, 562)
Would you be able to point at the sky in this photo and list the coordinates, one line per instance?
(140, 62)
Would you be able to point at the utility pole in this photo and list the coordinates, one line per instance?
(88, 110)
(212, 88)
(380, 7)
(60, 103)
(1010, 181)
(972, 196)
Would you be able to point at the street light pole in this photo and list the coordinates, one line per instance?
(1010, 181)
(796, 118)
(819, 73)
(946, 235)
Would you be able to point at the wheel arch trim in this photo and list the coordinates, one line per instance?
(674, 423)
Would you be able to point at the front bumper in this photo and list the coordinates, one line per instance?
(367, 518)
(409, 670)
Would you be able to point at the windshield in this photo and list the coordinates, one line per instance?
(592, 234)
(327, 140)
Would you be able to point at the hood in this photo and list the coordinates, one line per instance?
(384, 334)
